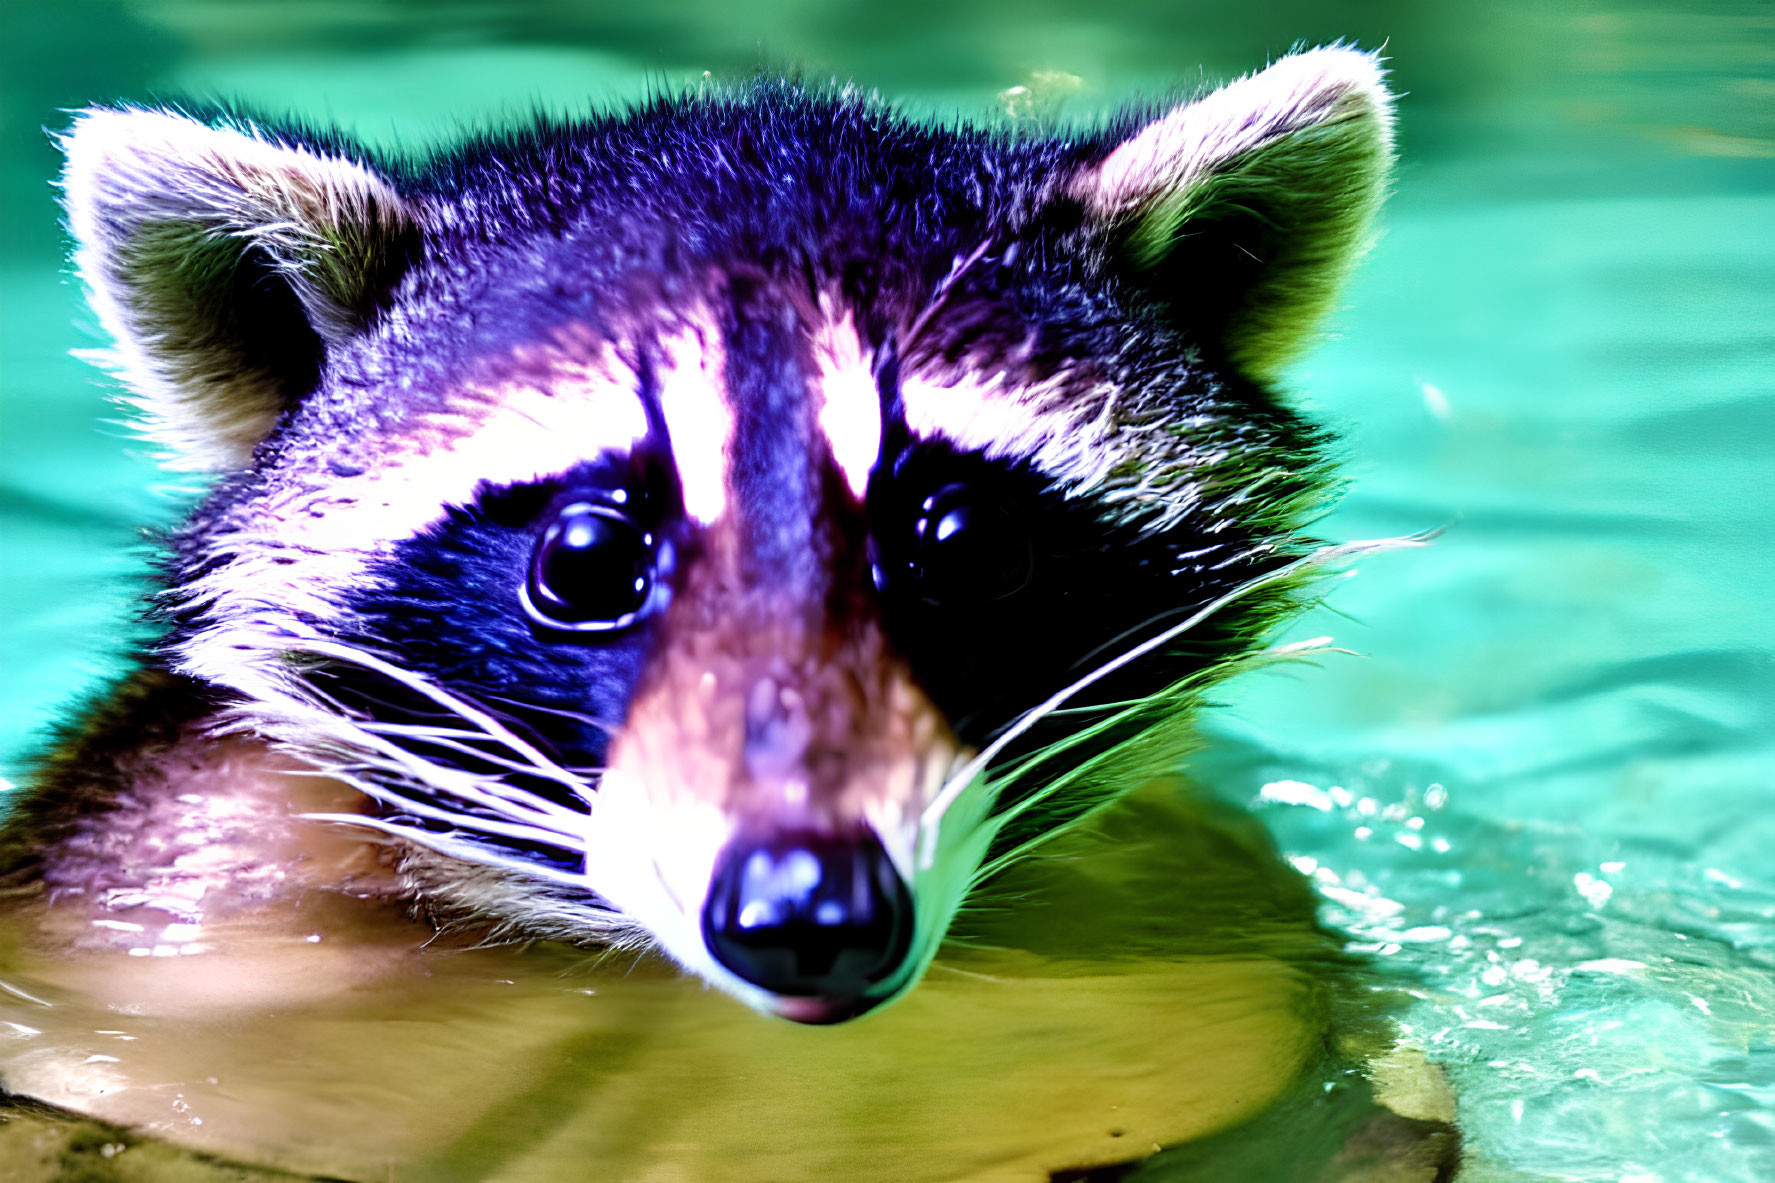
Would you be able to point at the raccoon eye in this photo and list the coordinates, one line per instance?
(593, 571)
(968, 548)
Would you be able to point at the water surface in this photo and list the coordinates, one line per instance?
(1538, 803)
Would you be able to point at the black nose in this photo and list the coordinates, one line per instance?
(809, 915)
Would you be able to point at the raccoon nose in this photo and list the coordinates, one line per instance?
(810, 916)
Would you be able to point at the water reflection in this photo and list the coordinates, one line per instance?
(1154, 979)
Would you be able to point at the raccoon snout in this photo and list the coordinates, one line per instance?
(816, 919)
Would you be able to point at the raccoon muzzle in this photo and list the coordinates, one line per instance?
(811, 741)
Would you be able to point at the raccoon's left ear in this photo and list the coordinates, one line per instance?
(225, 260)
(1244, 210)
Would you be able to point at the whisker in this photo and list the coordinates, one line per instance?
(542, 764)
(461, 782)
(422, 731)
(1129, 632)
(418, 787)
(514, 830)
(373, 757)
(363, 703)
(452, 845)
(431, 736)
(969, 772)
(560, 712)
(938, 297)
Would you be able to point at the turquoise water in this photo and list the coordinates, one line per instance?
(1541, 792)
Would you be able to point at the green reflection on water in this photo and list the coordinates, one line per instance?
(1153, 978)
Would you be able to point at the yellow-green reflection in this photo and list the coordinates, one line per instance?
(1148, 980)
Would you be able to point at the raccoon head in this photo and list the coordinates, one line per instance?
(682, 526)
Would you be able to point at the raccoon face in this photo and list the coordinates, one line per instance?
(682, 527)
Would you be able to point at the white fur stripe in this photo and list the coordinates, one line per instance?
(1061, 431)
(295, 552)
(510, 434)
(693, 399)
(850, 406)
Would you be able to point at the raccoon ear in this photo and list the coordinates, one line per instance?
(1246, 208)
(224, 260)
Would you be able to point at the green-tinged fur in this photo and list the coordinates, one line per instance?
(1299, 209)
(1136, 741)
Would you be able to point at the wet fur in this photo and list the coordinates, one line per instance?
(394, 367)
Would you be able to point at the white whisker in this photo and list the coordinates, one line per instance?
(960, 268)
(453, 846)
(389, 796)
(968, 773)
(484, 791)
(337, 741)
(443, 698)
(604, 725)
(439, 737)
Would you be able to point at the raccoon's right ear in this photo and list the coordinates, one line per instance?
(1244, 210)
(224, 260)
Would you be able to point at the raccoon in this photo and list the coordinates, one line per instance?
(735, 527)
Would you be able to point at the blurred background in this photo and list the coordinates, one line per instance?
(1542, 788)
